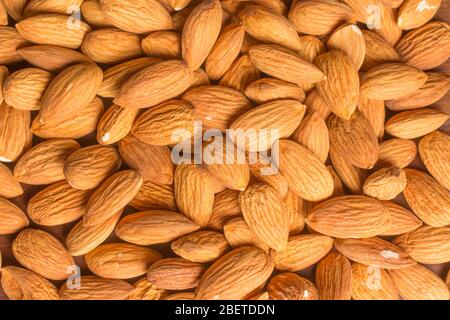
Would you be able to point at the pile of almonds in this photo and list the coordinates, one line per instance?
(91, 93)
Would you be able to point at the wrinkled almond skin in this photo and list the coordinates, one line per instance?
(290, 286)
(315, 103)
(241, 73)
(42, 253)
(238, 233)
(9, 187)
(372, 283)
(11, 41)
(375, 112)
(145, 290)
(400, 221)
(15, 134)
(93, 14)
(201, 246)
(334, 277)
(97, 288)
(154, 227)
(235, 275)
(349, 39)
(226, 207)
(115, 124)
(378, 50)
(154, 196)
(162, 44)
(268, 89)
(15, 8)
(385, 184)
(120, 260)
(35, 7)
(12, 217)
(396, 153)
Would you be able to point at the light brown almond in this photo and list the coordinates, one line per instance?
(15, 135)
(400, 221)
(162, 44)
(268, 89)
(97, 288)
(93, 14)
(396, 153)
(238, 233)
(201, 246)
(226, 207)
(154, 196)
(290, 286)
(11, 42)
(385, 184)
(372, 283)
(334, 277)
(12, 217)
(414, 13)
(378, 50)
(10, 187)
(241, 73)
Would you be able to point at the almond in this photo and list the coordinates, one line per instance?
(349, 39)
(42, 253)
(266, 171)
(372, 283)
(400, 221)
(226, 207)
(290, 286)
(268, 89)
(414, 13)
(396, 153)
(162, 44)
(315, 103)
(145, 290)
(181, 296)
(35, 7)
(93, 14)
(201, 246)
(387, 27)
(10, 187)
(375, 112)
(334, 277)
(15, 8)
(15, 135)
(4, 74)
(238, 233)
(296, 209)
(11, 42)
(385, 184)
(97, 288)
(241, 73)
(115, 124)
(12, 217)
(310, 48)
(378, 50)
(234, 6)
(154, 196)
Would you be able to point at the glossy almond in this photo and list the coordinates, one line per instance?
(334, 277)
(434, 151)
(13, 218)
(290, 286)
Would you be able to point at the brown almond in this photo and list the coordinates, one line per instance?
(434, 151)
(97, 288)
(15, 136)
(115, 124)
(349, 39)
(154, 196)
(11, 42)
(226, 207)
(400, 221)
(241, 73)
(201, 246)
(12, 217)
(290, 286)
(35, 7)
(162, 44)
(385, 184)
(238, 233)
(145, 290)
(375, 112)
(372, 283)
(268, 89)
(10, 187)
(396, 153)
(93, 14)
(378, 50)
(334, 277)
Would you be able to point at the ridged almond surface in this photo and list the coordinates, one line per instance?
(266, 171)
(111, 196)
(375, 112)
(314, 102)
(162, 44)
(238, 233)
(235, 275)
(15, 8)
(4, 73)
(392, 81)
(22, 284)
(44, 163)
(349, 217)
(70, 90)
(319, 17)
(296, 209)
(15, 136)
(115, 124)
(226, 207)
(175, 274)
(23, 89)
(154, 227)
(155, 84)
(12, 217)
(414, 13)
(306, 175)
(10, 187)
(415, 123)
(268, 89)
(301, 252)
(181, 296)
(334, 277)
(396, 153)
(153, 163)
(383, 21)
(53, 29)
(349, 39)
(434, 150)
(82, 239)
(145, 290)
(111, 46)
(154, 196)
(284, 64)
(234, 6)
(11, 42)
(57, 204)
(3, 15)
(200, 32)
(426, 47)
(42, 253)
(374, 252)
(120, 260)
(268, 26)
(201, 246)
(400, 221)
(385, 184)
(97, 288)
(93, 14)
(372, 283)
(152, 16)
(419, 283)
(291, 286)
(340, 89)
(241, 73)
(378, 50)
(35, 7)
(194, 193)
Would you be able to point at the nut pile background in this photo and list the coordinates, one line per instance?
(360, 207)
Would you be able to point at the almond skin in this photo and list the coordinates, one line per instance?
(15, 136)
(162, 44)
(400, 221)
(42, 253)
(226, 207)
(241, 73)
(97, 288)
(290, 286)
(238, 233)
(35, 7)
(115, 124)
(378, 50)
(111, 196)
(154, 227)
(235, 275)
(334, 277)
(145, 290)
(10, 187)
(201, 246)
(397, 153)
(374, 252)
(372, 283)
(13, 218)
(93, 14)
(155, 84)
(349, 39)
(366, 217)
(268, 89)
(15, 8)
(11, 41)
(315, 103)
(4, 73)
(375, 112)
(44, 163)
(385, 184)
(120, 260)
(154, 196)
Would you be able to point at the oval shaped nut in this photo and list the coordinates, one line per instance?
(11, 41)
(419, 283)
(319, 17)
(385, 24)
(296, 209)
(264, 211)
(10, 187)
(385, 184)
(334, 277)
(162, 44)
(115, 124)
(267, 26)
(93, 14)
(169, 123)
(201, 246)
(12, 217)
(15, 8)
(22, 284)
(4, 73)
(349, 39)
(235, 275)
(290, 286)
(153, 163)
(120, 260)
(44, 163)
(349, 217)
(155, 84)
(284, 64)
(97, 288)
(426, 47)
(415, 123)
(154, 196)
(111, 196)
(111, 46)
(23, 89)
(35, 7)
(226, 207)
(392, 81)
(266, 171)
(259, 128)
(375, 112)
(306, 175)
(315, 103)
(42, 253)
(374, 252)
(82, 239)
(268, 89)
(400, 221)
(372, 283)
(152, 15)
(241, 73)
(145, 290)
(238, 233)
(301, 252)
(434, 150)
(15, 135)
(53, 29)
(175, 274)
(86, 168)
(70, 90)
(378, 50)
(340, 89)
(396, 153)
(58, 204)
(355, 140)
(154, 227)
(74, 127)
(116, 76)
